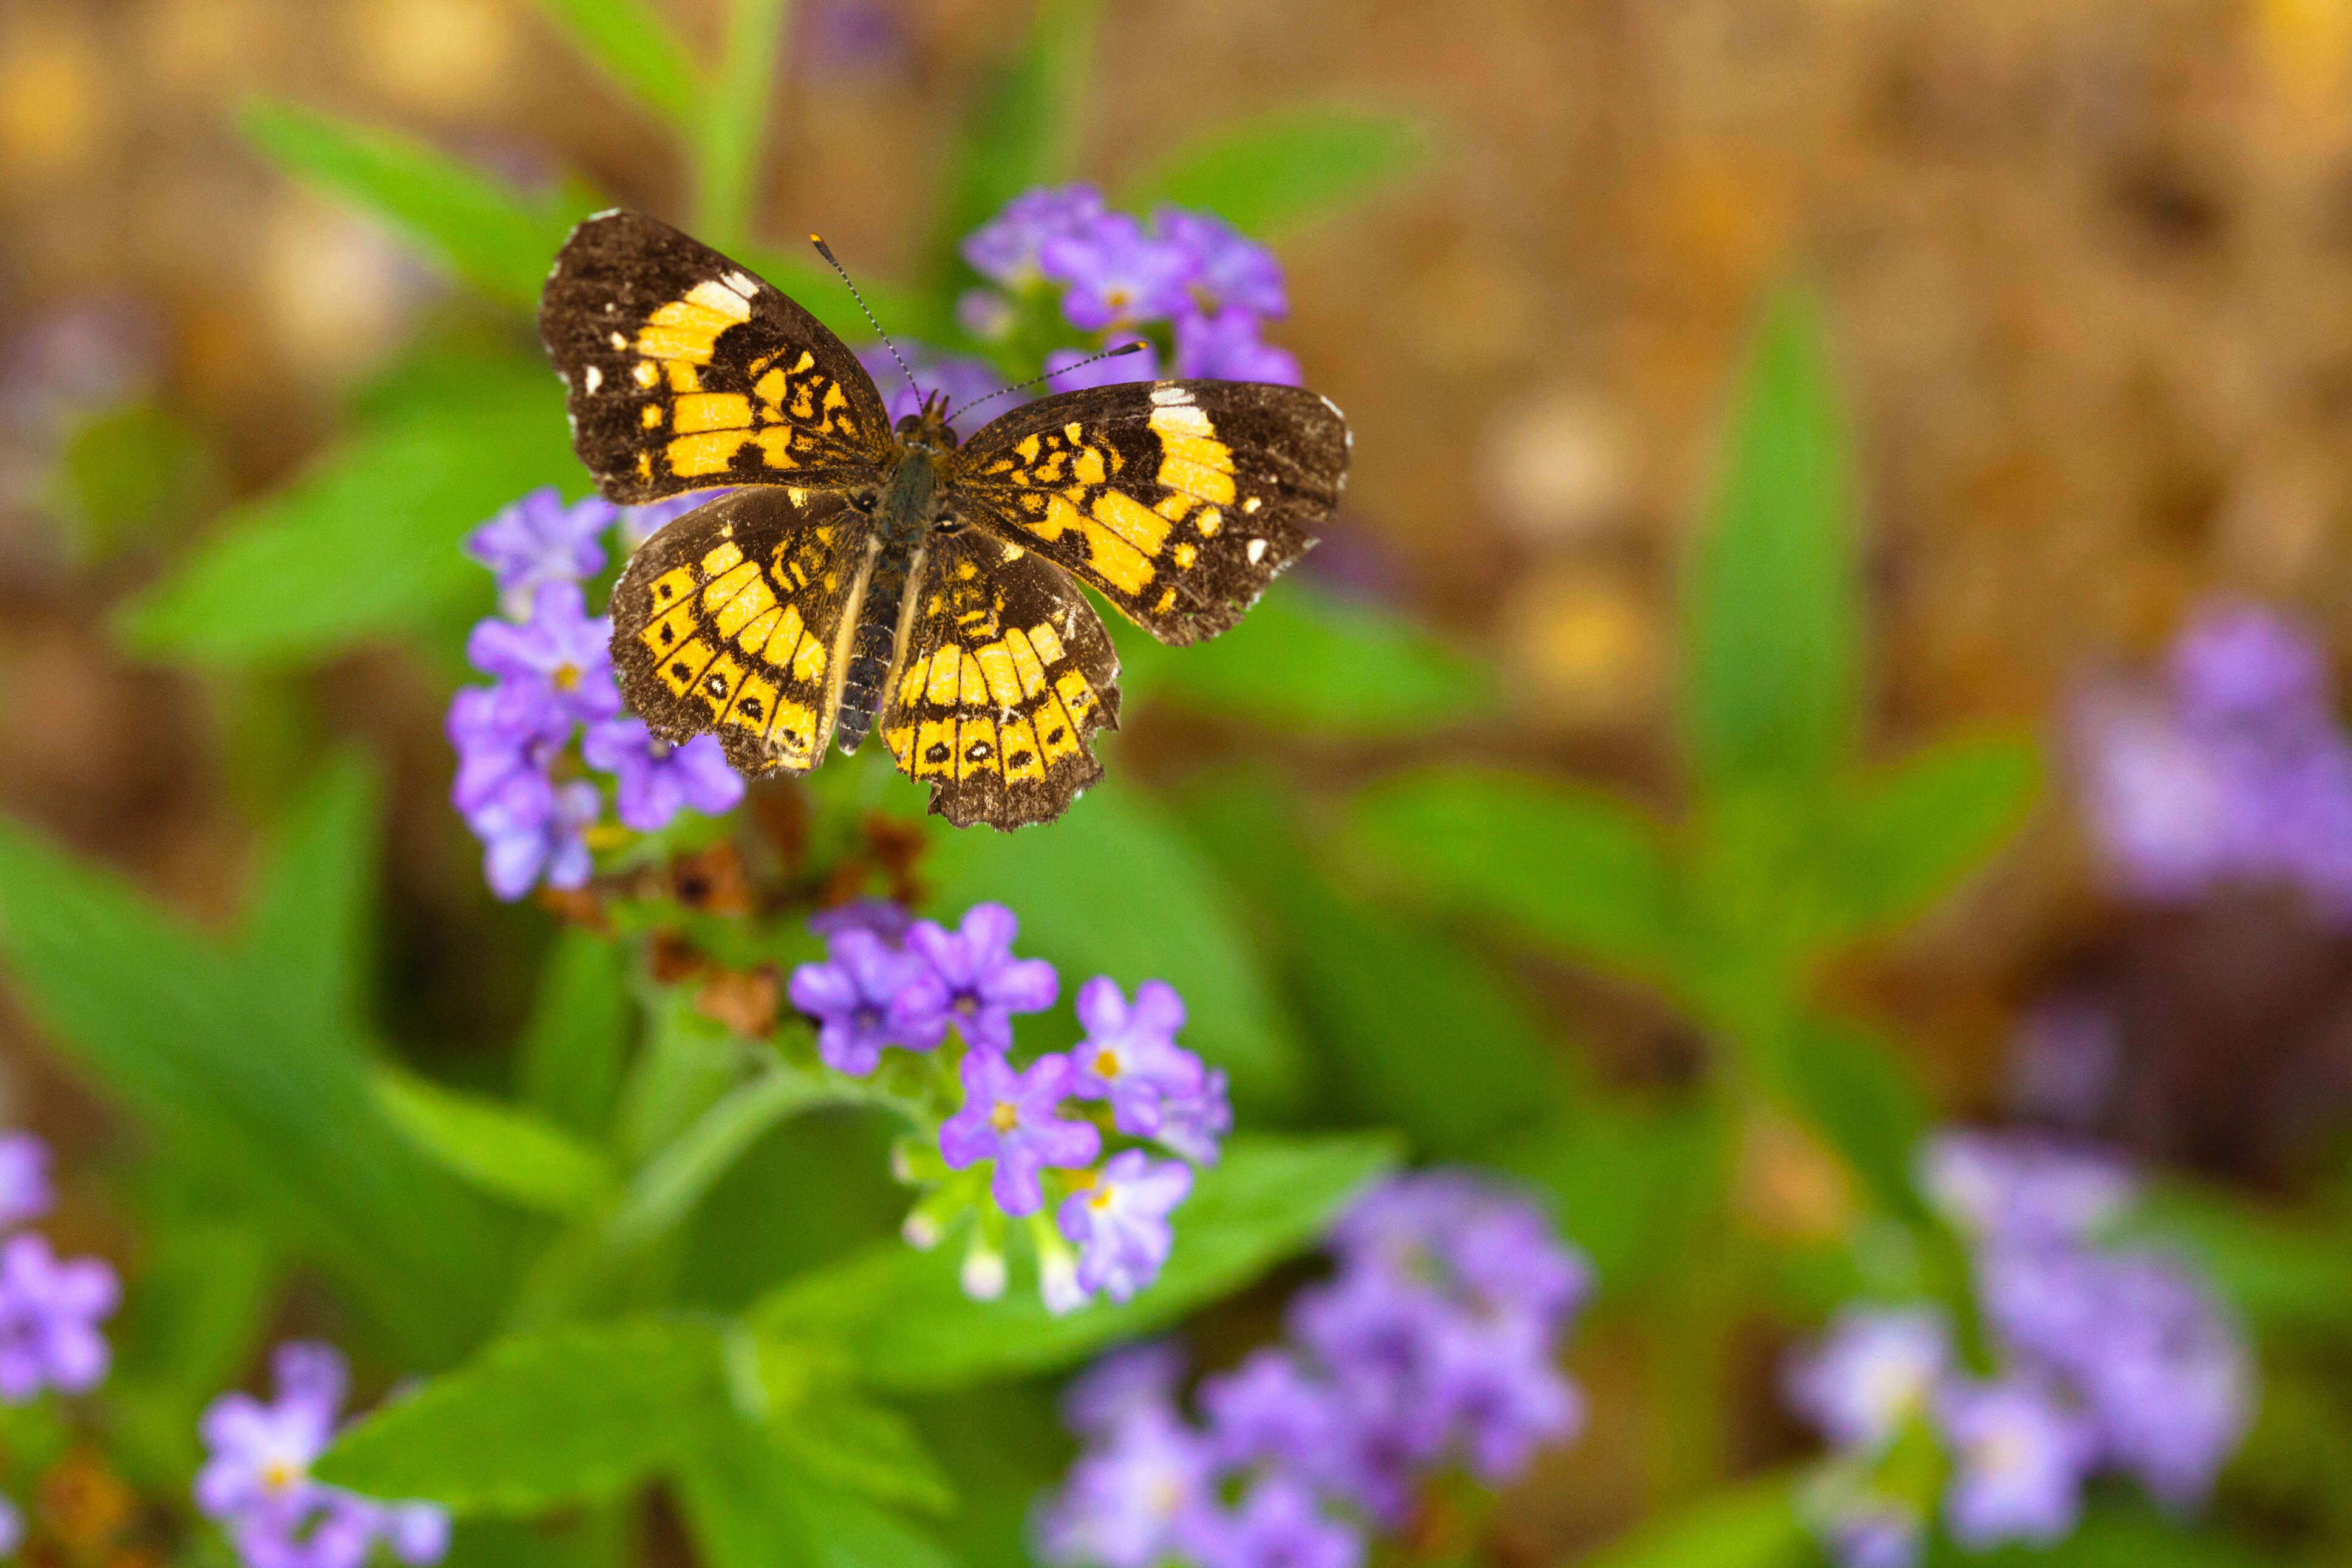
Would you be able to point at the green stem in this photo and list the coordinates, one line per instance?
(674, 1180)
(734, 125)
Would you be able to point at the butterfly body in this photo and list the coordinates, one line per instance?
(866, 576)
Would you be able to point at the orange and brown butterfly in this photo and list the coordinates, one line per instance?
(864, 575)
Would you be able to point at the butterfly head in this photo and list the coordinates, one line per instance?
(928, 429)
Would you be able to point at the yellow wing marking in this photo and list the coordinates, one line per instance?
(680, 669)
(1120, 563)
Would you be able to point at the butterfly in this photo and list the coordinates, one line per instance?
(862, 576)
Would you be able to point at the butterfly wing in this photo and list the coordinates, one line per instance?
(1004, 676)
(686, 371)
(732, 621)
(1177, 500)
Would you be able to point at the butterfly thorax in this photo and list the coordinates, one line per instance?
(905, 511)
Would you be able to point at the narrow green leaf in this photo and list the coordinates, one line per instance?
(1907, 834)
(908, 1325)
(1304, 659)
(846, 1441)
(1854, 1091)
(503, 1149)
(1771, 618)
(366, 543)
(630, 42)
(1279, 173)
(674, 1179)
(734, 122)
(752, 1506)
(482, 231)
(1024, 131)
(1751, 1526)
(571, 1413)
(219, 1055)
(1113, 889)
(570, 1057)
(314, 897)
(1565, 865)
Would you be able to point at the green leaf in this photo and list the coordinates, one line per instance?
(846, 1441)
(570, 1056)
(576, 1412)
(483, 231)
(1112, 889)
(750, 1506)
(733, 127)
(1564, 866)
(1303, 660)
(674, 1180)
(1024, 131)
(2280, 1271)
(500, 1148)
(1751, 1526)
(1907, 834)
(1631, 1183)
(908, 1325)
(366, 543)
(313, 898)
(630, 42)
(1852, 1090)
(1280, 172)
(225, 1057)
(1771, 619)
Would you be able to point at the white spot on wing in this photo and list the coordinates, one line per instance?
(743, 283)
(619, 342)
(1172, 392)
(1252, 504)
(723, 297)
(593, 379)
(1256, 550)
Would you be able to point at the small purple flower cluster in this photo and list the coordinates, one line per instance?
(2234, 769)
(1433, 1347)
(255, 1480)
(515, 786)
(891, 981)
(1113, 276)
(50, 1308)
(2108, 1358)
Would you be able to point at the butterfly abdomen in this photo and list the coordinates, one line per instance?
(901, 516)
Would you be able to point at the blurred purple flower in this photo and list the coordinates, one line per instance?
(1117, 273)
(850, 996)
(538, 539)
(2021, 1186)
(1227, 347)
(972, 981)
(1866, 1531)
(2022, 1462)
(2064, 1056)
(885, 918)
(1874, 1369)
(1129, 1055)
(1277, 1525)
(639, 523)
(1228, 271)
(1073, 370)
(49, 1314)
(1007, 247)
(1195, 1125)
(562, 651)
(1269, 1410)
(1119, 1222)
(2237, 667)
(656, 780)
(1128, 1380)
(1501, 1395)
(1012, 1118)
(1128, 1500)
(532, 830)
(25, 1190)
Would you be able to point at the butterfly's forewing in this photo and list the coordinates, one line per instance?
(686, 371)
(1177, 500)
(1004, 675)
(731, 621)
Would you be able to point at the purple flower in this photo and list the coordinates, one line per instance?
(1195, 1125)
(885, 918)
(2158, 806)
(1012, 1118)
(560, 650)
(1117, 273)
(2022, 1187)
(25, 1192)
(2239, 668)
(12, 1528)
(1126, 1383)
(538, 539)
(850, 995)
(1875, 1370)
(1229, 272)
(49, 1314)
(1277, 1526)
(2021, 1460)
(657, 780)
(1007, 246)
(1866, 1530)
(532, 830)
(1501, 1397)
(1129, 1055)
(1071, 369)
(964, 380)
(502, 733)
(972, 980)
(1120, 1222)
(1269, 1410)
(1227, 347)
(1128, 1503)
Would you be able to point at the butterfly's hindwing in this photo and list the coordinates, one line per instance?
(1179, 500)
(730, 622)
(686, 371)
(1004, 676)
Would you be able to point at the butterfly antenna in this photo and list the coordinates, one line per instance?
(1138, 346)
(833, 262)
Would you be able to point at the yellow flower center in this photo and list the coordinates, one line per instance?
(567, 677)
(1105, 1064)
(278, 1475)
(1005, 1117)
